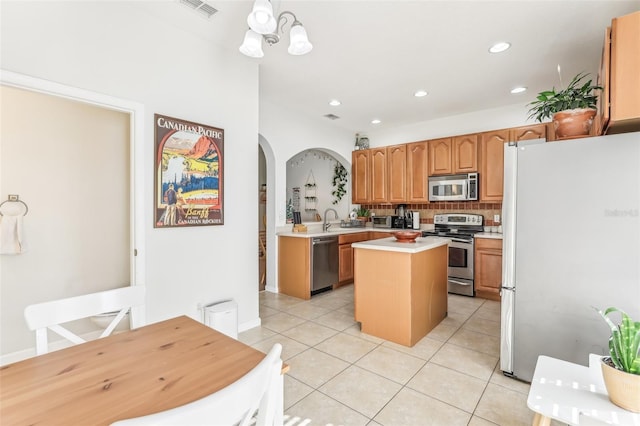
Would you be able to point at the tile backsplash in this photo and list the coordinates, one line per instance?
(427, 211)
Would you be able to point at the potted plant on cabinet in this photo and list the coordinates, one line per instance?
(572, 109)
(621, 370)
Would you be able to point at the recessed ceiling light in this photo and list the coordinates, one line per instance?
(420, 93)
(518, 90)
(375, 121)
(334, 102)
(499, 47)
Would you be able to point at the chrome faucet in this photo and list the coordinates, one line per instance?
(325, 225)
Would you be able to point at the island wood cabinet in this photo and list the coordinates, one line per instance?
(453, 155)
(294, 262)
(400, 296)
(619, 102)
(418, 172)
(488, 268)
(491, 155)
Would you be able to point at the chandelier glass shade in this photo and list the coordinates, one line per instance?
(261, 19)
(252, 45)
(263, 25)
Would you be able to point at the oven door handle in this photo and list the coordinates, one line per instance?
(457, 240)
(459, 282)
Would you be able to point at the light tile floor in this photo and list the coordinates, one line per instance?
(340, 376)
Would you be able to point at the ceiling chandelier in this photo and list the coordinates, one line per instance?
(262, 24)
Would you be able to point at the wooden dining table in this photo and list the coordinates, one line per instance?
(130, 374)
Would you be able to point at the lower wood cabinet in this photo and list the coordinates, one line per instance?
(488, 268)
(345, 251)
(294, 262)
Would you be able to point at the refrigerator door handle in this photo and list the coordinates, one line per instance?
(507, 304)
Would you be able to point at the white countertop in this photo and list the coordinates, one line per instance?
(390, 244)
(493, 235)
(333, 231)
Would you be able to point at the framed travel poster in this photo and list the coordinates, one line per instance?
(188, 173)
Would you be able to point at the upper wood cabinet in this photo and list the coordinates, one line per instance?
(360, 179)
(619, 103)
(453, 155)
(396, 173)
(465, 158)
(492, 164)
(440, 155)
(378, 173)
(535, 131)
(418, 172)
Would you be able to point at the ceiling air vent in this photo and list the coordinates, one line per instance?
(200, 6)
(331, 116)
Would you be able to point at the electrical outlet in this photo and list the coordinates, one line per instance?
(496, 218)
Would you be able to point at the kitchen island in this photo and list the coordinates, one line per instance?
(400, 289)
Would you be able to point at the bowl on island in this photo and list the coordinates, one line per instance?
(406, 236)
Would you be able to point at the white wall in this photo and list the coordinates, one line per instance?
(69, 162)
(287, 133)
(113, 48)
(317, 166)
(490, 119)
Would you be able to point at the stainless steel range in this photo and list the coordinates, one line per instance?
(459, 228)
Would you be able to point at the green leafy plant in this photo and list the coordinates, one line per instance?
(339, 182)
(576, 95)
(362, 212)
(624, 342)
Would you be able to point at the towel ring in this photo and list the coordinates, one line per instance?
(15, 199)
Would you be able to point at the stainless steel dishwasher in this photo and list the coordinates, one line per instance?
(324, 263)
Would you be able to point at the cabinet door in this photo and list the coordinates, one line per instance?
(360, 176)
(492, 164)
(625, 78)
(535, 131)
(488, 268)
(603, 81)
(418, 172)
(465, 154)
(396, 173)
(345, 270)
(379, 184)
(440, 157)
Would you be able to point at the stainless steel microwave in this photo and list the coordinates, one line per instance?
(462, 187)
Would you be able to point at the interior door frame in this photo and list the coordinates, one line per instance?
(136, 165)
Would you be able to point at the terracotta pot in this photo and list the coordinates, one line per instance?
(573, 122)
(623, 388)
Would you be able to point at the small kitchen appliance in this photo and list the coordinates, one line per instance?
(381, 221)
(462, 187)
(460, 229)
(401, 222)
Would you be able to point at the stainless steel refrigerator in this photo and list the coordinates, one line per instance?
(571, 226)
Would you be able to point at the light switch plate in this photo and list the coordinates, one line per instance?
(496, 218)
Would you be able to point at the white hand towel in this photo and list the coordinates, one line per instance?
(12, 239)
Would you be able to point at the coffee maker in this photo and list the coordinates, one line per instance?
(402, 218)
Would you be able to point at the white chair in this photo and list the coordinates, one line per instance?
(49, 315)
(260, 389)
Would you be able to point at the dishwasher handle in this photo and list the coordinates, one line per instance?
(322, 241)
